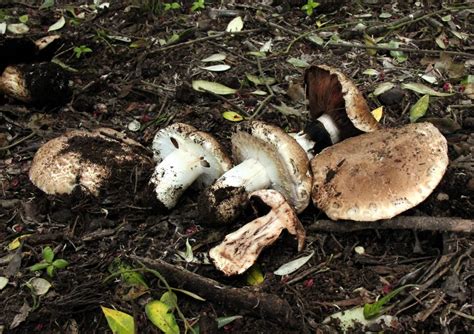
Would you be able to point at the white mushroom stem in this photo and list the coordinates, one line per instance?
(175, 174)
(305, 142)
(250, 174)
(240, 249)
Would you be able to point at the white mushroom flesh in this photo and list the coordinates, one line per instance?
(250, 174)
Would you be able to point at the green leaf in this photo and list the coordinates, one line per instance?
(297, 62)
(58, 24)
(47, 4)
(39, 266)
(374, 309)
(257, 81)
(160, 315)
(254, 275)
(23, 18)
(213, 87)
(170, 299)
(60, 263)
(190, 294)
(50, 270)
(419, 108)
(222, 321)
(382, 88)
(3, 282)
(232, 116)
(119, 322)
(132, 278)
(48, 254)
(422, 89)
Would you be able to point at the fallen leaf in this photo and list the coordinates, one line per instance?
(350, 318)
(232, 116)
(190, 294)
(254, 275)
(297, 62)
(419, 108)
(440, 41)
(378, 113)
(371, 71)
(119, 322)
(58, 24)
(237, 24)
(292, 266)
(213, 87)
(260, 81)
(216, 68)
(21, 315)
(170, 299)
(18, 28)
(315, 39)
(382, 88)
(3, 282)
(160, 315)
(39, 286)
(15, 243)
(423, 89)
(214, 57)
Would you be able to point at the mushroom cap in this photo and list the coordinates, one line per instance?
(63, 163)
(186, 137)
(12, 82)
(380, 174)
(356, 106)
(286, 162)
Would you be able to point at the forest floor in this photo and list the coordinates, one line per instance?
(132, 67)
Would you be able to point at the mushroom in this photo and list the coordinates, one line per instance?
(185, 156)
(378, 175)
(85, 160)
(268, 158)
(337, 107)
(41, 84)
(241, 248)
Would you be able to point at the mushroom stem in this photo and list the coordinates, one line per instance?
(305, 142)
(175, 174)
(250, 174)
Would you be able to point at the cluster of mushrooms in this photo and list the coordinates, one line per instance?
(351, 167)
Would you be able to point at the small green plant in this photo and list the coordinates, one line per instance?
(309, 7)
(80, 50)
(172, 5)
(197, 5)
(49, 263)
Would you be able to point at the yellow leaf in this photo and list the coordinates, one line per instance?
(119, 322)
(378, 113)
(254, 275)
(369, 41)
(161, 316)
(232, 116)
(17, 242)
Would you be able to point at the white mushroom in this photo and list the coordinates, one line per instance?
(241, 248)
(379, 175)
(269, 158)
(185, 156)
(337, 108)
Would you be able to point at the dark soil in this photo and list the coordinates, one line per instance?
(149, 83)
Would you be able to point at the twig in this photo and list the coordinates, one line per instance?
(4, 148)
(269, 89)
(398, 223)
(258, 304)
(202, 39)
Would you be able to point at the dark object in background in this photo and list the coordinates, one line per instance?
(325, 6)
(392, 96)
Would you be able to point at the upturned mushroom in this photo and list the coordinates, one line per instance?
(268, 158)
(337, 109)
(185, 156)
(381, 174)
(241, 248)
(86, 161)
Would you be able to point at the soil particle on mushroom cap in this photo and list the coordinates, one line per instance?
(89, 161)
(380, 174)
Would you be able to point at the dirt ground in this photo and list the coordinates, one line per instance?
(136, 74)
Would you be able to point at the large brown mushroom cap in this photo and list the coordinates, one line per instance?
(380, 174)
(84, 159)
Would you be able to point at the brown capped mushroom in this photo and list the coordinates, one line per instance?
(241, 248)
(185, 156)
(337, 108)
(378, 175)
(85, 160)
(268, 158)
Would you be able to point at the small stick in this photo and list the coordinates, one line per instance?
(258, 304)
(4, 148)
(451, 224)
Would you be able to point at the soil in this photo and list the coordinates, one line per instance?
(134, 73)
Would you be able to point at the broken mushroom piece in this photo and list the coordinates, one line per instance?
(241, 248)
(268, 158)
(380, 174)
(43, 84)
(87, 161)
(185, 156)
(337, 108)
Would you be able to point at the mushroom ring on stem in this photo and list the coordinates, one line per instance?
(268, 158)
(185, 156)
(86, 160)
(337, 108)
(379, 175)
(241, 248)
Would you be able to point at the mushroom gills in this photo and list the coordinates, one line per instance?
(175, 174)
